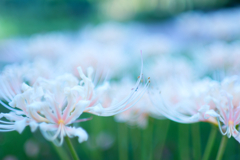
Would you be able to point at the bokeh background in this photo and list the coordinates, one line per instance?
(27, 17)
(190, 24)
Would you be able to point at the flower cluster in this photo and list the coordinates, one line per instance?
(192, 73)
(54, 104)
(207, 101)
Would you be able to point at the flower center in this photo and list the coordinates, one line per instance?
(60, 121)
(230, 123)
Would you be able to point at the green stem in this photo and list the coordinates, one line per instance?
(135, 136)
(196, 139)
(184, 142)
(147, 140)
(96, 128)
(164, 136)
(222, 148)
(71, 148)
(143, 144)
(61, 152)
(150, 140)
(122, 141)
(210, 142)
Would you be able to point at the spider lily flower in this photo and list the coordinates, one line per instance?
(13, 76)
(50, 105)
(19, 116)
(10, 82)
(54, 105)
(116, 107)
(60, 120)
(227, 110)
(185, 103)
(227, 116)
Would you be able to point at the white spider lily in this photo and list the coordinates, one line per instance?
(48, 106)
(185, 103)
(116, 107)
(227, 110)
(54, 105)
(20, 117)
(17, 123)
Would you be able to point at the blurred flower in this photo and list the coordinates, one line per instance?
(105, 140)
(183, 102)
(31, 148)
(222, 24)
(222, 59)
(226, 111)
(10, 157)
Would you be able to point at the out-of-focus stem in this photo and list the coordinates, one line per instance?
(147, 140)
(71, 148)
(96, 128)
(150, 139)
(135, 137)
(122, 141)
(222, 148)
(164, 136)
(184, 142)
(210, 142)
(144, 139)
(196, 139)
(61, 152)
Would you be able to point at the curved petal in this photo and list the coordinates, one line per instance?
(79, 108)
(77, 132)
(20, 125)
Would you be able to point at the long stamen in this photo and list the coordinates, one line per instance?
(10, 108)
(82, 120)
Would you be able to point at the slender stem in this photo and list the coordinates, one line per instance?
(135, 136)
(222, 148)
(122, 141)
(71, 148)
(150, 140)
(210, 142)
(143, 144)
(61, 152)
(96, 128)
(147, 140)
(196, 139)
(164, 136)
(184, 142)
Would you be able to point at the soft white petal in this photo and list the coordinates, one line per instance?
(79, 132)
(212, 113)
(33, 125)
(204, 108)
(97, 109)
(195, 117)
(25, 87)
(20, 125)
(18, 101)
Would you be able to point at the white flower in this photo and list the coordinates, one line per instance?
(55, 104)
(184, 103)
(138, 114)
(227, 110)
